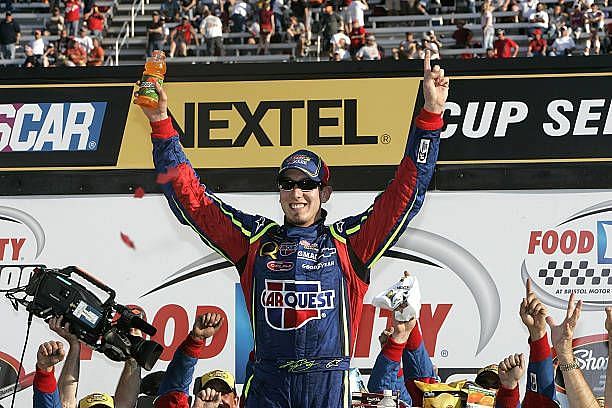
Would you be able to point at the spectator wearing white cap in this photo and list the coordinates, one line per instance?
(369, 51)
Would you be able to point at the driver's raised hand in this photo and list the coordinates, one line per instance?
(435, 86)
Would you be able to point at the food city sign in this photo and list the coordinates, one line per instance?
(574, 256)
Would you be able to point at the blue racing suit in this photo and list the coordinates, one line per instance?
(540, 381)
(303, 286)
(174, 390)
(388, 375)
(46, 394)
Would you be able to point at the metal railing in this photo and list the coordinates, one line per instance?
(137, 5)
(121, 40)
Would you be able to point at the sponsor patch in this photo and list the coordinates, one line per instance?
(279, 266)
(423, 151)
(269, 248)
(290, 304)
(288, 248)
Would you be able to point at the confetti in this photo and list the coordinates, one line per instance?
(171, 174)
(139, 192)
(127, 241)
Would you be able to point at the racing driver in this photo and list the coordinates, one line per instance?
(303, 281)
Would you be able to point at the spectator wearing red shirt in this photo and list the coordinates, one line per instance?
(462, 36)
(72, 17)
(266, 28)
(96, 55)
(537, 45)
(76, 55)
(181, 36)
(95, 22)
(505, 47)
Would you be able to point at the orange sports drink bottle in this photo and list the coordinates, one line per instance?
(155, 69)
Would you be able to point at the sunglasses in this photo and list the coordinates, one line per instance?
(304, 184)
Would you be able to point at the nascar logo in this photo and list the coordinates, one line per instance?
(290, 304)
(36, 127)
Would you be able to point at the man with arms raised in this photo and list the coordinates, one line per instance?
(303, 281)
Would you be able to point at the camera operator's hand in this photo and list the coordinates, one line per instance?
(49, 354)
(511, 369)
(206, 326)
(207, 398)
(533, 314)
(55, 324)
(161, 111)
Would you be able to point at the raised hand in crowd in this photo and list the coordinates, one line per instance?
(206, 326)
(578, 392)
(533, 314)
(68, 381)
(399, 332)
(207, 398)
(511, 369)
(49, 354)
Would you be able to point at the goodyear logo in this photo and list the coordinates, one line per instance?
(290, 304)
(50, 127)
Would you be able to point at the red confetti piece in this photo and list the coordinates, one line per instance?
(127, 241)
(167, 177)
(139, 192)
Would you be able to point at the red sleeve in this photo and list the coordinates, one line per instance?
(507, 398)
(393, 350)
(192, 347)
(173, 399)
(429, 120)
(539, 350)
(44, 380)
(162, 129)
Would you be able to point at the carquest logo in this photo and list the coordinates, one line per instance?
(50, 127)
(21, 236)
(573, 257)
(290, 304)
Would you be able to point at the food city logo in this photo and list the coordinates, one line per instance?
(573, 257)
(415, 246)
(50, 127)
(591, 354)
(22, 238)
(290, 304)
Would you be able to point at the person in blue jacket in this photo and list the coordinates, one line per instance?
(217, 390)
(402, 344)
(540, 392)
(303, 281)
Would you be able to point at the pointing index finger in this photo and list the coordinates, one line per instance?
(528, 287)
(426, 61)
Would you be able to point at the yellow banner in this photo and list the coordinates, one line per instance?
(247, 124)
(347, 121)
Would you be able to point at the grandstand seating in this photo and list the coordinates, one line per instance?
(127, 32)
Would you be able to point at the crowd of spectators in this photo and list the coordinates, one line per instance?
(334, 29)
(69, 38)
(402, 362)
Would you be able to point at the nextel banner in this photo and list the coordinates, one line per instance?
(543, 118)
(49, 126)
